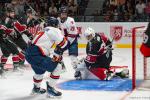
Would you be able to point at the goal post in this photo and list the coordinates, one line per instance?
(134, 60)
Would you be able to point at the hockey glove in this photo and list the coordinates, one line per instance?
(56, 57)
(30, 37)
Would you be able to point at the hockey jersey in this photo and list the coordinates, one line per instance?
(97, 48)
(34, 25)
(45, 40)
(69, 29)
(15, 29)
(145, 47)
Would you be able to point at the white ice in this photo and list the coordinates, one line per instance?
(18, 87)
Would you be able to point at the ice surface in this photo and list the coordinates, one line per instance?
(18, 87)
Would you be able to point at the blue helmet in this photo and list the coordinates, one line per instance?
(52, 21)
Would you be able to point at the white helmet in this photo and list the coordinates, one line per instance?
(89, 31)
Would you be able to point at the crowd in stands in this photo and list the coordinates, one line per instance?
(45, 7)
(130, 10)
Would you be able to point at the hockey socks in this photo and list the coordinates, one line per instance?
(37, 82)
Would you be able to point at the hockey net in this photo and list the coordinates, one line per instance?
(140, 64)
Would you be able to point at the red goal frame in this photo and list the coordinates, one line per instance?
(134, 58)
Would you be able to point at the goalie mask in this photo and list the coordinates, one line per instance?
(89, 33)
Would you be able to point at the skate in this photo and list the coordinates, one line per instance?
(17, 68)
(37, 90)
(22, 65)
(77, 75)
(1, 71)
(51, 92)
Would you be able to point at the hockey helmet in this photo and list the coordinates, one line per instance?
(29, 11)
(52, 21)
(9, 10)
(63, 13)
(89, 31)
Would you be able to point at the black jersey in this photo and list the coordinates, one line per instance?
(147, 36)
(97, 51)
(16, 29)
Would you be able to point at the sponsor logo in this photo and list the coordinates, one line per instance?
(116, 32)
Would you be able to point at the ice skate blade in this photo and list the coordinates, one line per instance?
(35, 94)
(53, 97)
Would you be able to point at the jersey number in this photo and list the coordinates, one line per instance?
(72, 28)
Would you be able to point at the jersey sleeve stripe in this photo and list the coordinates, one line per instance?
(41, 50)
(62, 43)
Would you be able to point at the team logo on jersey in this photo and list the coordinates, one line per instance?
(116, 32)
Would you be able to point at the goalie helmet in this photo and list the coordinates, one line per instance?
(89, 32)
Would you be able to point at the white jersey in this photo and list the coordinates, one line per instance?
(45, 40)
(69, 29)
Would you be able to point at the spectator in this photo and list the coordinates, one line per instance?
(115, 15)
(63, 3)
(147, 10)
(140, 6)
(52, 10)
(20, 7)
(70, 8)
(75, 5)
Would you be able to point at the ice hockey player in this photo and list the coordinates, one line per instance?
(34, 24)
(145, 47)
(38, 54)
(15, 30)
(7, 48)
(96, 65)
(69, 30)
